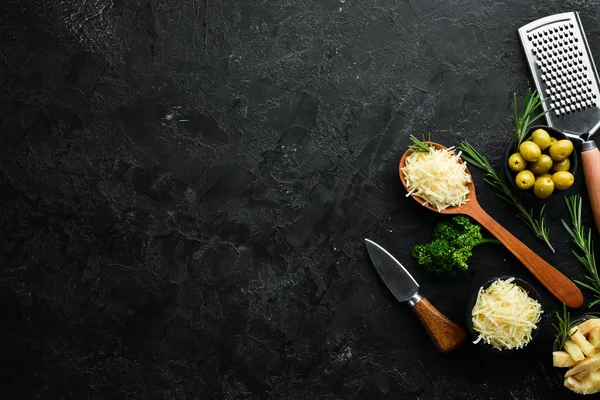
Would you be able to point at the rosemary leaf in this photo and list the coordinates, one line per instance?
(531, 102)
(563, 327)
(584, 242)
(536, 223)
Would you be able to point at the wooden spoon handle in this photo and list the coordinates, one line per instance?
(446, 335)
(591, 170)
(558, 284)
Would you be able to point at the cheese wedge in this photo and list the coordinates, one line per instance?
(594, 337)
(562, 359)
(583, 344)
(573, 350)
(586, 326)
(590, 383)
(573, 384)
(591, 364)
(582, 376)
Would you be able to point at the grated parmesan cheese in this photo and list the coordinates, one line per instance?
(504, 315)
(437, 177)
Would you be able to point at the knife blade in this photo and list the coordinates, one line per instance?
(402, 285)
(446, 335)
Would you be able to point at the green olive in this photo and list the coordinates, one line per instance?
(553, 140)
(524, 179)
(543, 187)
(530, 151)
(563, 165)
(544, 176)
(516, 162)
(541, 138)
(562, 180)
(542, 165)
(560, 150)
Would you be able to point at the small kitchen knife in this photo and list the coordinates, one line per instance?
(446, 335)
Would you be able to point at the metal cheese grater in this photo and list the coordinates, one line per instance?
(564, 72)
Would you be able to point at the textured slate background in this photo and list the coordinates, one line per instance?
(185, 187)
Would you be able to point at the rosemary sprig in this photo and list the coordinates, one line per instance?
(563, 327)
(531, 102)
(585, 245)
(419, 146)
(497, 181)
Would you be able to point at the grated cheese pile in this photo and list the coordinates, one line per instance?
(504, 315)
(437, 177)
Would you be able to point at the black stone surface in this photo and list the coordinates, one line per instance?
(185, 187)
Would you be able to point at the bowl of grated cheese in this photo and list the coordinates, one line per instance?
(505, 314)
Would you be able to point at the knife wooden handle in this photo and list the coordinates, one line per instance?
(446, 335)
(591, 170)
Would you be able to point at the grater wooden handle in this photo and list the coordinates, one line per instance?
(591, 169)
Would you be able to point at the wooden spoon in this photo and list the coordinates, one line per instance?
(558, 284)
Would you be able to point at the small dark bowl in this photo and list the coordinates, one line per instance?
(510, 174)
(530, 291)
(560, 372)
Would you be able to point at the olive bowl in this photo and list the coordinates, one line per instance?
(511, 175)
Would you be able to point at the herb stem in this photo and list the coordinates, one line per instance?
(585, 244)
(419, 146)
(563, 327)
(531, 102)
(496, 180)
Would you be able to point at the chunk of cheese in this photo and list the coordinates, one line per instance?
(438, 177)
(562, 359)
(594, 337)
(585, 346)
(585, 327)
(505, 316)
(589, 364)
(573, 350)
